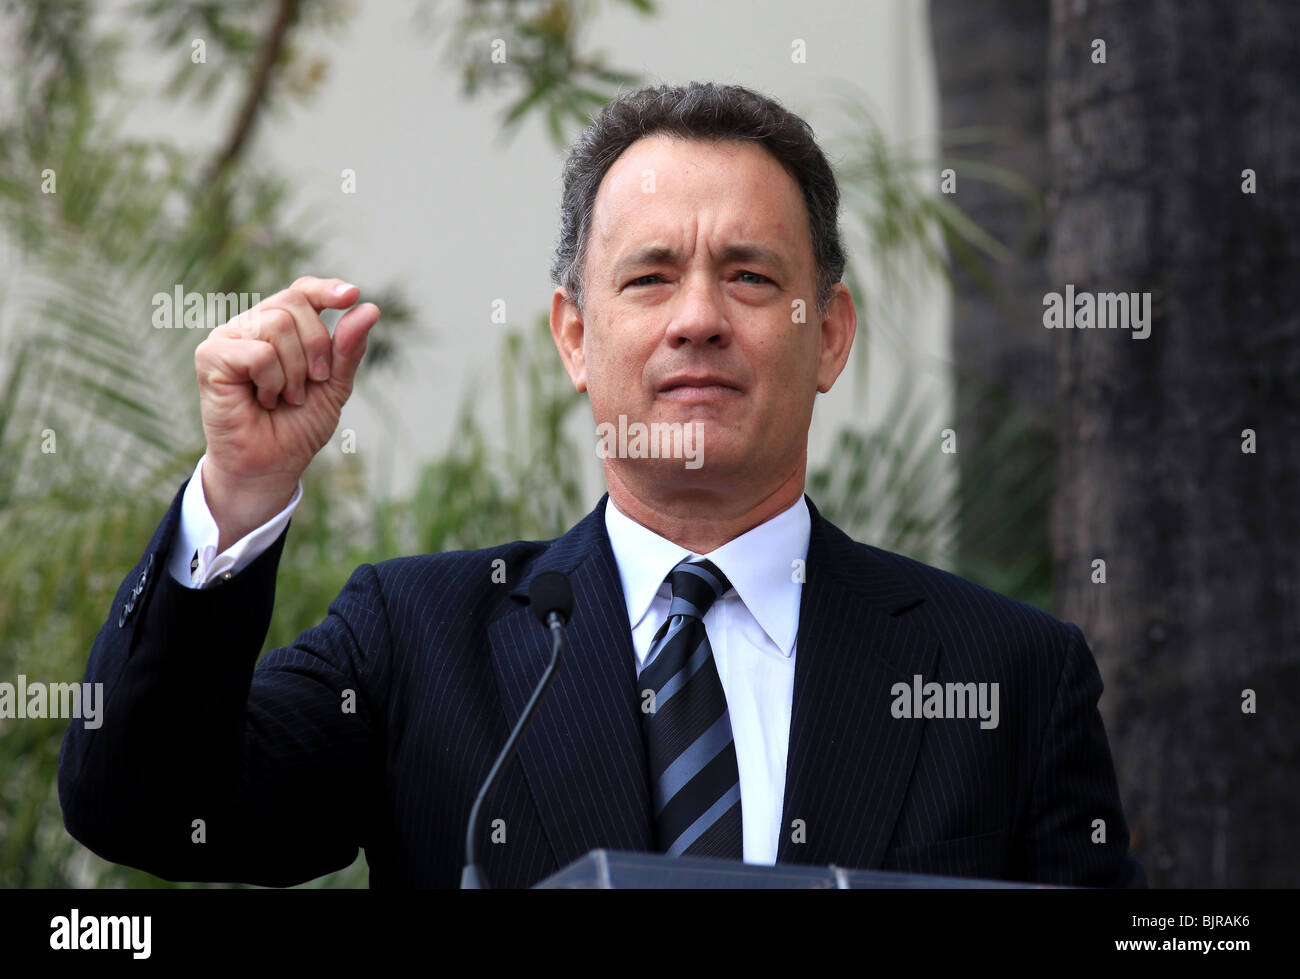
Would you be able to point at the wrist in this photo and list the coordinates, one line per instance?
(239, 505)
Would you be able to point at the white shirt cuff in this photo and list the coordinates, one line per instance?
(198, 533)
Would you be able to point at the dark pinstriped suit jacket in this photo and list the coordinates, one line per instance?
(440, 661)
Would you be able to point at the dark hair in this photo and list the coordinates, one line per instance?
(700, 110)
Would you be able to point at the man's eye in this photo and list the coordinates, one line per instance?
(653, 277)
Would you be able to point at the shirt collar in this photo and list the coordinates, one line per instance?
(760, 564)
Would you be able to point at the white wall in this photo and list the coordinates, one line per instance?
(461, 218)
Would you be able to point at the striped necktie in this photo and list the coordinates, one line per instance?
(693, 773)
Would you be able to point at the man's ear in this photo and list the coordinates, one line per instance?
(567, 330)
(839, 325)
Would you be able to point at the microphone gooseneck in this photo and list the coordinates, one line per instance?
(551, 599)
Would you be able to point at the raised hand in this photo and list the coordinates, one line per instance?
(272, 383)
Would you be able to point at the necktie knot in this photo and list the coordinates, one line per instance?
(696, 585)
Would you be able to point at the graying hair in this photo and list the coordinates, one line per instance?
(705, 111)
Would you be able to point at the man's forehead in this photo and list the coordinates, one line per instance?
(664, 165)
(626, 216)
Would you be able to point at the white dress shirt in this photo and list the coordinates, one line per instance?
(751, 628)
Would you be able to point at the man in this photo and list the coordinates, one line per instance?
(741, 676)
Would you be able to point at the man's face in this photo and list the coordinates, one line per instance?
(700, 309)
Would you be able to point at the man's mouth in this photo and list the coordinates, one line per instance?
(697, 388)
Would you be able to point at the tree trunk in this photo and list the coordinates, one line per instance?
(992, 71)
(1201, 540)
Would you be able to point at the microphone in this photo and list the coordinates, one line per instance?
(551, 600)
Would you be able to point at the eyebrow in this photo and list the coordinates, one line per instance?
(736, 252)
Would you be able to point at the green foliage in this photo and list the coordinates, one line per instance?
(538, 54)
(131, 215)
(891, 485)
(91, 442)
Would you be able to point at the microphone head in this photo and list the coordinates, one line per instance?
(549, 592)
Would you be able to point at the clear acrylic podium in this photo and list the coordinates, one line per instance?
(618, 870)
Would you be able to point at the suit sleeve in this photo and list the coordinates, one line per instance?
(1074, 786)
(206, 768)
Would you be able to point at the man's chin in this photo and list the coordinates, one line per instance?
(686, 443)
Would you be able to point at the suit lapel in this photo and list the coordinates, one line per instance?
(849, 759)
(583, 756)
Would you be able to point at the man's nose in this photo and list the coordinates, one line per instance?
(697, 313)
